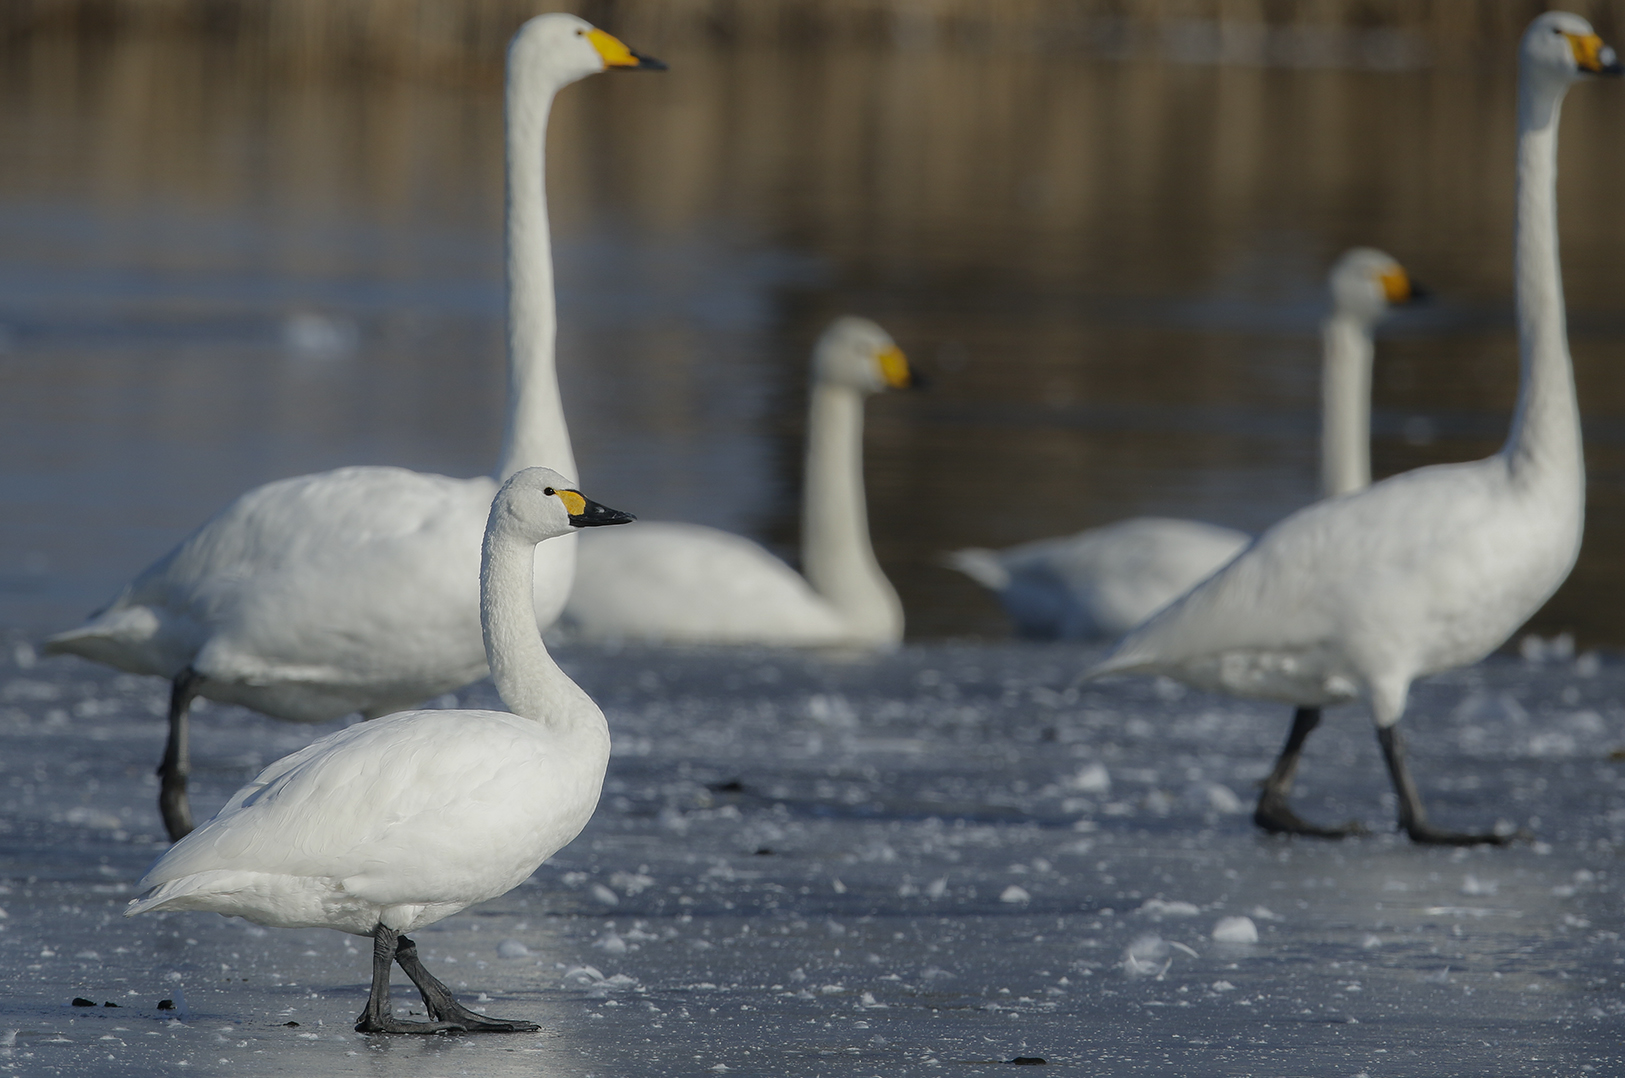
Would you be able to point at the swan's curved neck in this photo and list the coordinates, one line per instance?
(536, 433)
(1345, 407)
(835, 551)
(1545, 435)
(529, 681)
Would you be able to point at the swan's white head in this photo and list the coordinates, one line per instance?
(856, 353)
(1563, 47)
(1365, 283)
(565, 48)
(539, 503)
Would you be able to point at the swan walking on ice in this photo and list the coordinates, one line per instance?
(1356, 597)
(391, 825)
(357, 589)
(690, 584)
(1102, 582)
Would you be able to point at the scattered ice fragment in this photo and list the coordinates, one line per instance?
(1586, 665)
(840, 888)
(1147, 956)
(574, 879)
(1221, 798)
(1159, 908)
(1492, 708)
(1235, 930)
(604, 894)
(631, 882)
(1261, 914)
(1371, 942)
(1222, 986)
(611, 941)
(1015, 894)
(937, 887)
(23, 655)
(1472, 885)
(319, 336)
(1092, 779)
(1437, 977)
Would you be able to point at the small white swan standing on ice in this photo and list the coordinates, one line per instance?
(390, 825)
(1432, 569)
(690, 584)
(357, 590)
(1104, 581)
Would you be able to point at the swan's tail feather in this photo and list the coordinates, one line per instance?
(981, 565)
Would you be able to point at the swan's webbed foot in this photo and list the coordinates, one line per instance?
(1274, 815)
(443, 1006)
(1413, 817)
(388, 1023)
(379, 1017)
(1426, 834)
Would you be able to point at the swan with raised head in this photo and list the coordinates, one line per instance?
(1356, 597)
(1104, 581)
(387, 826)
(357, 590)
(690, 584)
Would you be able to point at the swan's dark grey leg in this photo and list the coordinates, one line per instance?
(177, 765)
(379, 1017)
(437, 998)
(1413, 818)
(1273, 813)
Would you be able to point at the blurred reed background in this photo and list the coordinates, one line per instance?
(240, 241)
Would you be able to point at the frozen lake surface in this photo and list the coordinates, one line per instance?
(930, 863)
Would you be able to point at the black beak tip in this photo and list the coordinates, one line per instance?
(918, 381)
(1419, 293)
(649, 63)
(598, 516)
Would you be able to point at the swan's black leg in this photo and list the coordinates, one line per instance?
(177, 764)
(1413, 818)
(1273, 813)
(437, 998)
(379, 1017)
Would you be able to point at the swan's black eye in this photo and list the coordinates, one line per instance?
(549, 491)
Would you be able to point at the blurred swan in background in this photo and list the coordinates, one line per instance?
(1356, 597)
(388, 826)
(358, 589)
(690, 584)
(1104, 581)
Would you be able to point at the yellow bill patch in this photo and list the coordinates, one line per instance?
(894, 367)
(610, 47)
(1587, 51)
(574, 503)
(1395, 285)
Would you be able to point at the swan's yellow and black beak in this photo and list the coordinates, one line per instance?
(589, 514)
(1592, 56)
(1398, 288)
(617, 56)
(894, 369)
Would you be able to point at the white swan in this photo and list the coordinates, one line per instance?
(1355, 597)
(390, 825)
(1104, 581)
(356, 590)
(684, 583)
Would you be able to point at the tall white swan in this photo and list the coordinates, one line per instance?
(1357, 596)
(357, 589)
(685, 583)
(1104, 581)
(387, 826)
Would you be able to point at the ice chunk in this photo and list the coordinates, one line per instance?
(1015, 894)
(937, 888)
(1472, 885)
(1484, 707)
(1147, 956)
(1235, 930)
(1091, 779)
(1221, 798)
(1160, 908)
(604, 894)
(512, 948)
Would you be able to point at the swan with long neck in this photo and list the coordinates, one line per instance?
(690, 584)
(1356, 597)
(356, 590)
(387, 826)
(1102, 582)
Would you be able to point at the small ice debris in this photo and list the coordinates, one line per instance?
(1221, 798)
(1176, 945)
(1485, 707)
(1093, 778)
(1015, 894)
(512, 948)
(1557, 649)
(1222, 986)
(1437, 977)
(1147, 956)
(23, 655)
(832, 989)
(1166, 688)
(1371, 942)
(840, 888)
(1235, 930)
(1472, 885)
(1586, 665)
(611, 941)
(937, 887)
(604, 895)
(908, 888)
(831, 710)
(631, 882)
(319, 336)
(1160, 908)
(720, 1068)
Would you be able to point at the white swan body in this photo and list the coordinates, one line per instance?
(1102, 582)
(685, 583)
(357, 589)
(1355, 597)
(391, 825)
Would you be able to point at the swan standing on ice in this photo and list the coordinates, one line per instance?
(356, 590)
(685, 583)
(1104, 581)
(391, 825)
(1432, 569)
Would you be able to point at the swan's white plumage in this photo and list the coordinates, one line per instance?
(690, 584)
(412, 817)
(1102, 582)
(357, 589)
(1432, 569)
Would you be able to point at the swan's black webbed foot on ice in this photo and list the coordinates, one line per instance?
(443, 1006)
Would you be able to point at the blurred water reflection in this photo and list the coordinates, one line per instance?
(213, 273)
